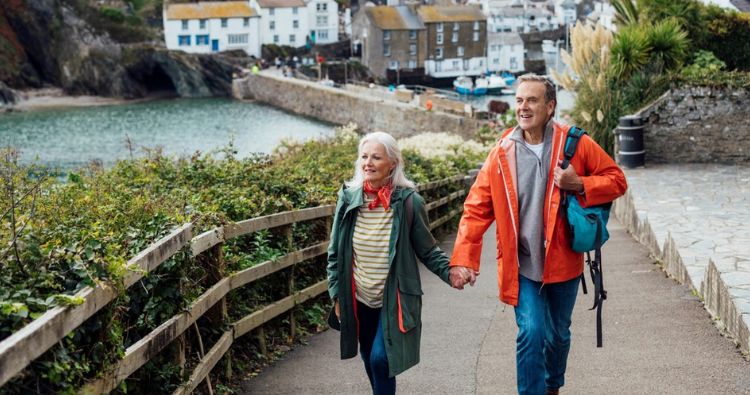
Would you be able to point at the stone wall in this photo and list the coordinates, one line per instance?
(698, 125)
(340, 107)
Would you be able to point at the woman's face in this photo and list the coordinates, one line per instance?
(376, 165)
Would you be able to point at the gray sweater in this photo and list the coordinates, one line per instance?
(532, 175)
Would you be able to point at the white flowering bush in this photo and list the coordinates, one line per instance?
(442, 145)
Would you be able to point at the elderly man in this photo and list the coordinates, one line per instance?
(519, 187)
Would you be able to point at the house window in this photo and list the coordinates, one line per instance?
(322, 6)
(412, 34)
(184, 41)
(202, 23)
(460, 51)
(513, 64)
(386, 35)
(185, 25)
(272, 25)
(323, 34)
(275, 38)
(224, 22)
(481, 63)
(440, 27)
(456, 64)
(393, 65)
(271, 11)
(438, 66)
(440, 38)
(412, 64)
(322, 20)
(466, 64)
(386, 50)
(456, 25)
(292, 38)
(496, 60)
(294, 11)
(201, 39)
(454, 37)
(412, 49)
(476, 25)
(439, 52)
(295, 23)
(476, 36)
(237, 39)
(246, 22)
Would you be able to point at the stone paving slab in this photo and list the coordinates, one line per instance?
(699, 219)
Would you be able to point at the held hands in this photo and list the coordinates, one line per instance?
(567, 179)
(460, 275)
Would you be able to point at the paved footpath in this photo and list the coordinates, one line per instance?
(657, 340)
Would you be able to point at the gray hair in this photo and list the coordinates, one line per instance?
(398, 178)
(549, 88)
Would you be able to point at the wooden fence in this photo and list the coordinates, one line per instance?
(24, 346)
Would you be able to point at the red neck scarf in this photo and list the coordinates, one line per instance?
(382, 195)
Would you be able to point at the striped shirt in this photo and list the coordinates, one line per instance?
(372, 234)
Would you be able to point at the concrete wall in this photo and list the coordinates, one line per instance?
(698, 125)
(341, 107)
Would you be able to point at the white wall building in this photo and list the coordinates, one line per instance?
(603, 14)
(324, 20)
(207, 27)
(566, 12)
(521, 19)
(283, 22)
(505, 52)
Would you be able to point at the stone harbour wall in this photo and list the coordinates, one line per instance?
(698, 125)
(340, 107)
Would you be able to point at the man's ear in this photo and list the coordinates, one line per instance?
(551, 107)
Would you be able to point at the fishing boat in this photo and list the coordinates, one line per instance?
(508, 77)
(463, 85)
(481, 85)
(495, 84)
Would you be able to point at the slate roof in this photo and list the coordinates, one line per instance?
(210, 9)
(433, 14)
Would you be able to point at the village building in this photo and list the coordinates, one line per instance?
(206, 27)
(283, 22)
(391, 38)
(456, 38)
(323, 21)
(505, 52)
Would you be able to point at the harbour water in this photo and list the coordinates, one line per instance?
(73, 137)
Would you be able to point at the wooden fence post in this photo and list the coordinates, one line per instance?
(287, 231)
(217, 315)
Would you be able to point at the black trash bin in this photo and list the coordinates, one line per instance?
(630, 152)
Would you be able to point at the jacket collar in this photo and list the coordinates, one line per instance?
(355, 197)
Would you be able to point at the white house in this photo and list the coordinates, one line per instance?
(521, 19)
(603, 14)
(505, 52)
(206, 27)
(566, 12)
(283, 22)
(323, 20)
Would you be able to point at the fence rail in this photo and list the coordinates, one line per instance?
(24, 346)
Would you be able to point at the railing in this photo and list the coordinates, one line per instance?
(24, 346)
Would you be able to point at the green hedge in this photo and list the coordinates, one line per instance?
(60, 236)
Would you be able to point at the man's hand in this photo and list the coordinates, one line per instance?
(460, 275)
(568, 179)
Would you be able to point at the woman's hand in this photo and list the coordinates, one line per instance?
(337, 309)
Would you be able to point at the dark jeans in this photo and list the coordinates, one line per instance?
(543, 316)
(372, 350)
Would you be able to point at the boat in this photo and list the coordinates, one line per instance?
(481, 85)
(508, 77)
(463, 85)
(495, 84)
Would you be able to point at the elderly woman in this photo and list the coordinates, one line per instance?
(379, 230)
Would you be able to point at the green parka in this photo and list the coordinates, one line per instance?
(402, 298)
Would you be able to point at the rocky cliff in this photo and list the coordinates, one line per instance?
(72, 45)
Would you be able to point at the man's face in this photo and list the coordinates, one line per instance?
(532, 111)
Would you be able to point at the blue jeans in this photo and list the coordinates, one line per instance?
(543, 316)
(372, 350)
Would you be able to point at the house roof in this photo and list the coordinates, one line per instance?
(394, 18)
(742, 5)
(210, 9)
(281, 3)
(507, 38)
(432, 14)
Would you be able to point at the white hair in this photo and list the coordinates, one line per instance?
(397, 176)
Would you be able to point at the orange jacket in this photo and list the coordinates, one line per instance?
(493, 198)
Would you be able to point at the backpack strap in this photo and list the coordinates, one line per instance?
(571, 143)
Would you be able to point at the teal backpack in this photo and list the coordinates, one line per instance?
(588, 231)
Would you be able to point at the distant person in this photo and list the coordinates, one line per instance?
(379, 215)
(277, 62)
(519, 188)
(255, 69)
